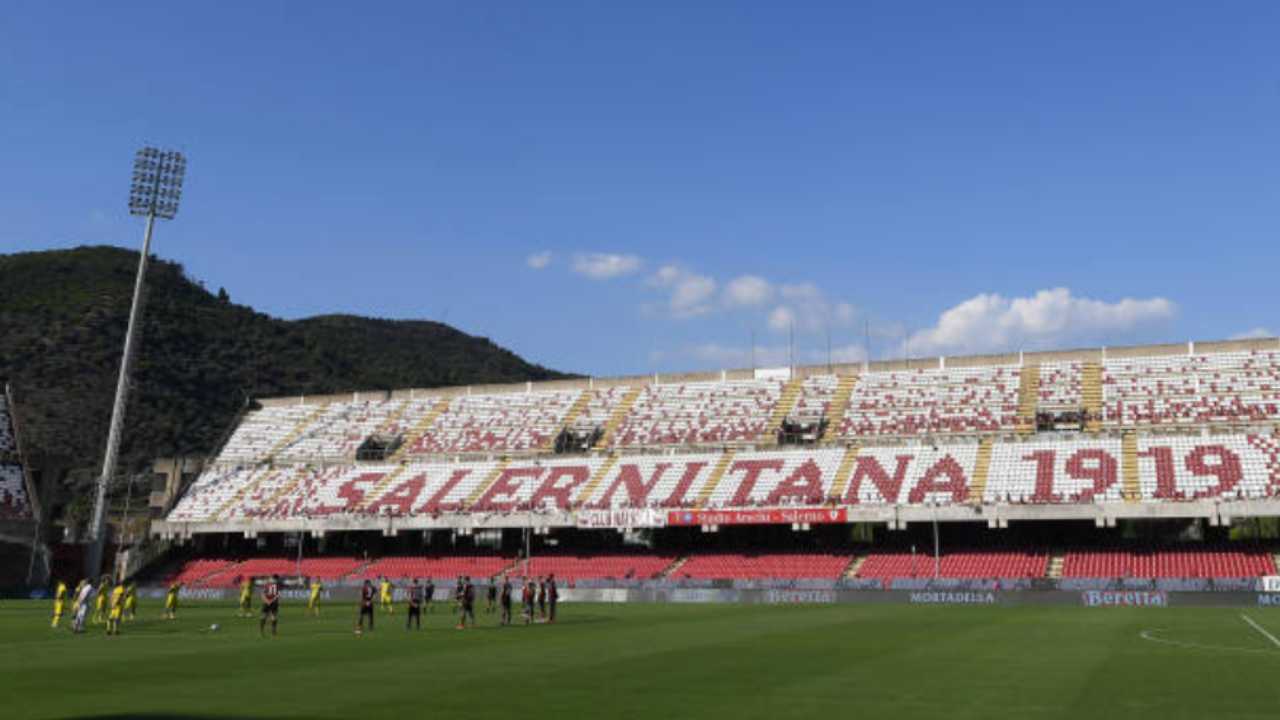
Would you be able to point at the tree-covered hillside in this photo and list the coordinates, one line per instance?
(62, 323)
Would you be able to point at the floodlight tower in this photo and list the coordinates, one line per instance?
(155, 192)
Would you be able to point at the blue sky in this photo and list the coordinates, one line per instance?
(614, 189)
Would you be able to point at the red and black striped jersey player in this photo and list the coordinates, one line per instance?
(553, 597)
(270, 606)
(367, 595)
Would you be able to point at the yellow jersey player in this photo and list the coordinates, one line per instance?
(313, 601)
(246, 597)
(59, 603)
(117, 608)
(171, 601)
(387, 606)
(131, 602)
(100, 602)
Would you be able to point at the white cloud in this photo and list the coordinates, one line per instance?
(1050, 318)
(781, 319)
(715, 355)
(806, 307)
(747, 291)
(689, 293)
(538, 261)
(842, 354)
(605, 266)
(1254, 334)
(728, 356)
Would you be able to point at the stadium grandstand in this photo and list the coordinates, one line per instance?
(15, 503)
(760, 474)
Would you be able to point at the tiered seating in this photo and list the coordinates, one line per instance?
(656, 479)
(1228, 466)
(601, 404)
(993, 564)
(445, 567)
(212, 490)
(571, 568)
(537, 486)
(201, 572)
(792, 566)
(911, 475)
(1061, 385)
(1169, 563)
(1055, 471)
(752, 479)
(7, 442)
(964, 400)
(14, 504)
(13, 494)
(1235, 387)
(323, 568)
(816, 395)
(701, 412)
(340, 430)
(260, 431)
(496, 423)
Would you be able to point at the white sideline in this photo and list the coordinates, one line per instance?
(1260, 629)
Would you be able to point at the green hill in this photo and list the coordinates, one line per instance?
(62, 322)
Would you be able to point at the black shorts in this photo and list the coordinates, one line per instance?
(415, 610)
(366, 610)
(271, 608)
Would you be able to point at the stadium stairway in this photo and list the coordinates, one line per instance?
(1028, 399)
(297, 431)
(855, 564)
(285, 490)
(1129, 468)
(478, 493)
(1056, 561)
(393, 420)
(979, 486)
(383, 484)
(420, 428)
(673, 567)
(579, 405)
(619, 414)
(1091, 395)
(843, 473)
(594, 483)
(840, 405)
(714, 480)
(245, 491)
(786, 402)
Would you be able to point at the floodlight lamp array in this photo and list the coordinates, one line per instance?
(157, 182)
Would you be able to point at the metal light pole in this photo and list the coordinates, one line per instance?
(155, 192)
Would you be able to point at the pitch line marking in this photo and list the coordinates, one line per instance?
(1150, 635)
(1260, 629)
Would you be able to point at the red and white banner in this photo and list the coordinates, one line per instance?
(812, 516)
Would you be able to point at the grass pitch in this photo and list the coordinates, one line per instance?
(654, 662)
